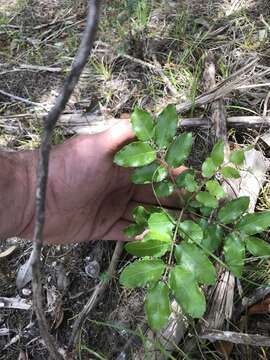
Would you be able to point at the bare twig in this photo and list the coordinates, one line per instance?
(15, 303)
(42, 171)
(99, 290)
(236, 338)
(78, 123)
(20, 99)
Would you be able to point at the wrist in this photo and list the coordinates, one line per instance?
(17, 187)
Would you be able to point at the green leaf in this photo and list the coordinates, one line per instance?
(179, 150)
(208, 200)
(157, 306)
(166, 126)
(148, 174)
(217, 154)
(133, 230)
(164, 188)
(140, 215)
(187, 292)
(254, 223)
(237, 157)
(208, 168)
(234, 251)
(142, 272)
(215, 189)
(230, 173)
(233, 210)
(206, 211)
(160, 223)
(190, 231)
(142, 124)
(135, 154)
(194, 260)
(158, 236)
(212, 237)
(147, 248)
(187, 181)
(257, 247)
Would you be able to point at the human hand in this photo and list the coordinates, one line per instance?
(88, 196)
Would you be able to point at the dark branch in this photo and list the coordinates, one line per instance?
(42, 171)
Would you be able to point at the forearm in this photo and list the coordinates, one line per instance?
(17, 191)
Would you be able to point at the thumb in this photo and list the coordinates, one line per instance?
(118, 135)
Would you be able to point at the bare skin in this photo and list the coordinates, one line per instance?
(88, 197)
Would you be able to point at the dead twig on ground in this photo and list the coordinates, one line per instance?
(20, 99)
(236, 338)
(79, 123)
(42, 171)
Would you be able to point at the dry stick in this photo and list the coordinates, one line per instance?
(99, 290)
(42, 171)
(237, 338)
(20, 99)
(222, 294)
(78, 123)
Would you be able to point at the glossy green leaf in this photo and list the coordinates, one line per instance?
(187, 181)
(217, 154)
(215, 189)
(142, 272)
(140, 215)
(179, 150)
(135, 154)
(187, 291)
(166, 126)
(181, 178)
(206, 211)
(164, 188)
(194, 260)
(233, 210)
(237, 157)
(133, 230)
(212, 237)
(208, 168)
(257, 247)
(234, 251)
(230, 173)
(254, 223)
(158, 236)
(148, 174)
(208, 200)
(190, 231)
(160, 223)
(147, 248)
(157, 306)
(142, 124)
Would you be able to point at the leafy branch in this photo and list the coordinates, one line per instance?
(174, 254)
